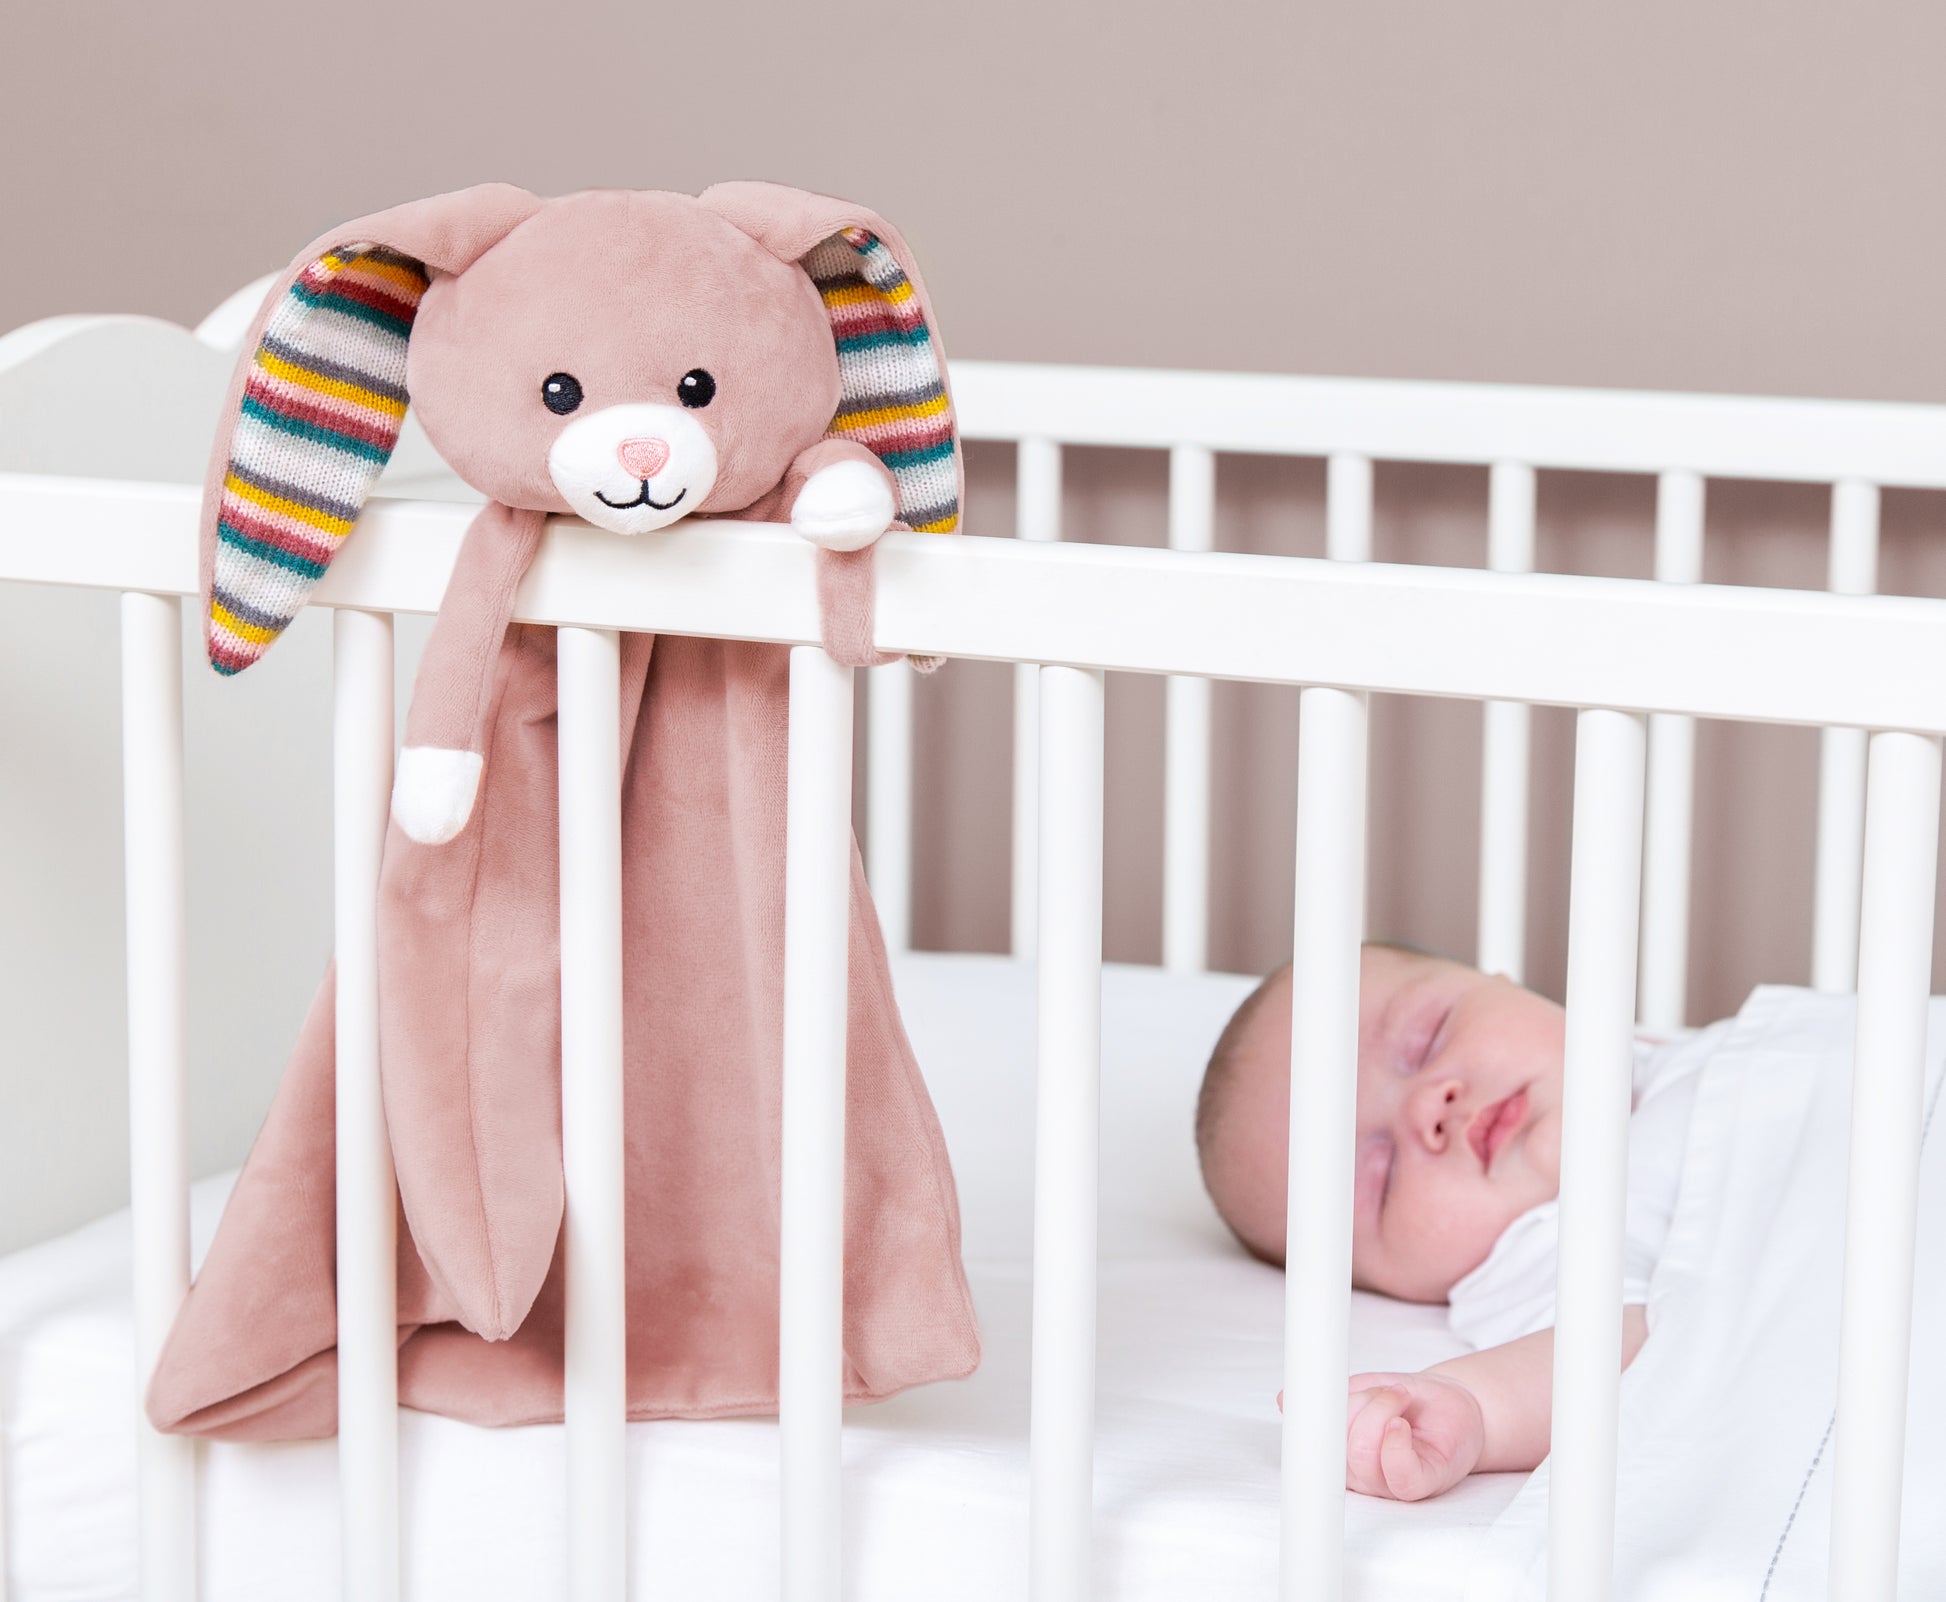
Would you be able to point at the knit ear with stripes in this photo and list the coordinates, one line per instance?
(892, 379)
(322, 403)
(316, 405)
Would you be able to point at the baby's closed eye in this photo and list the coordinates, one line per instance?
(1372, 1175)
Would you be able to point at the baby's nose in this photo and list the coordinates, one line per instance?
(643, 458)
(1436, 1112)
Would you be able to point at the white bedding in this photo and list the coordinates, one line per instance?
(935, 1489)
(1724, 1470)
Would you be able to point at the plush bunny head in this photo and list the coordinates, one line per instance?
(627, 356)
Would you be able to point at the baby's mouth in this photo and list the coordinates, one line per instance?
(1494, 1125)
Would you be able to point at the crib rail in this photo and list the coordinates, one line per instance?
(1737, 652)
(1618, 650)
(1595, 430)
(1684, 440)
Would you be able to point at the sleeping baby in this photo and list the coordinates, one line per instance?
(1454, 1197)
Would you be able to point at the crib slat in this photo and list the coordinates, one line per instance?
(1604, 901)
(1186, 770)
(588, 665)
(1853, 570)
(1348, 508)
(1037, 516)
(1664, 991)
(1324, 1065)
(1501, 940)
(368, 1377)
(158, 1080)
(1067, 1136)
(1887, 1121)
(888, 790)
(817, 906)
(1840, 859)
(1663, 1001)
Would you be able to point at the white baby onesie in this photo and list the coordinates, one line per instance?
(1511, 1294)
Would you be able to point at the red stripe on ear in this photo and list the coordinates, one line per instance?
(225, 655)
(367, 295)
(240, 515)
(875, 315)
(899, 433)
(285, 404)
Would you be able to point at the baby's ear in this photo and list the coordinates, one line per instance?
(894, 397)
(315, 406)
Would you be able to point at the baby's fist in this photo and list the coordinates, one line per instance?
(1409, 1436)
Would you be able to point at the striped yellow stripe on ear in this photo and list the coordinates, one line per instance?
(875, 416)
(248, 632)
(285, 505)
(323, 384)
(864, 294)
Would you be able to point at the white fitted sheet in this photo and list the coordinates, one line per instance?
(936, 1480)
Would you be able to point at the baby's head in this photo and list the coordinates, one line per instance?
(1459, 1118)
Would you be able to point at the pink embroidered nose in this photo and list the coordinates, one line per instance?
(644, 458)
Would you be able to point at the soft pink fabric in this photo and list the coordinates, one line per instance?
(469, 930)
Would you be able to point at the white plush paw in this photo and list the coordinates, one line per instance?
(844, 507)
(433, 791)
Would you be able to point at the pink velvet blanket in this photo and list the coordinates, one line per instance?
(473, 1005)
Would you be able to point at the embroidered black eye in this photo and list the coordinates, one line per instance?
(697, 388)
(562, 392)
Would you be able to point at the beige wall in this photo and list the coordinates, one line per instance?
(1736, 196)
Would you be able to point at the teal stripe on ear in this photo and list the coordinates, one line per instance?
(317, 433)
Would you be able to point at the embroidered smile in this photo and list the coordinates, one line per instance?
(641, 499)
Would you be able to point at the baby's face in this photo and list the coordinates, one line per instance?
(1458, 1118)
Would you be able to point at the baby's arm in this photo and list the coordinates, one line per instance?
(1414, 1435)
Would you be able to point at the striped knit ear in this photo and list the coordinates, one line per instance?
(892, 391)
(319, 417)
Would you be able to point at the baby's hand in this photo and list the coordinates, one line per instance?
(1409, 1436)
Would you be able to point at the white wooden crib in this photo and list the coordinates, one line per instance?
(1639, 660)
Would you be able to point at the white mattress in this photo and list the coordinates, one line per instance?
(936, 1480)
